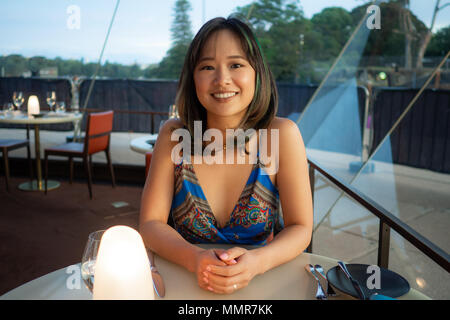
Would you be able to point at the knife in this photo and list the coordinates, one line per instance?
(355, 283)
(158, 283)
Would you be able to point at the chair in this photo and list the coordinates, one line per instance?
(7, 145)
(97, 139)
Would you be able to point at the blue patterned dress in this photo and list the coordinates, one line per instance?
(254, 219)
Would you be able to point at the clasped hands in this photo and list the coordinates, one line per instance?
(225, 271)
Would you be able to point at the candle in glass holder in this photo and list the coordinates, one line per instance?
(33, 105)
(122, 270)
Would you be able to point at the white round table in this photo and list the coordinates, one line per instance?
(289, 281)
(47, 118)
(143, 144)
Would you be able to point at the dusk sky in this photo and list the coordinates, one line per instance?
(141, 31)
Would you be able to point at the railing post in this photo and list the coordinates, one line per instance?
(384, 239)
(311, 183)
(152, 129)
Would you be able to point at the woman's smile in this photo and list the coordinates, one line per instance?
(224, 96)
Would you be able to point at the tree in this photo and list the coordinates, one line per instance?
(439, 43)
(399, 35)
(171, 65)
(278, 25)
(335, 25)
(425, 37)
(15, 65)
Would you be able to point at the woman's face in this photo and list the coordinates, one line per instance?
(224, 79)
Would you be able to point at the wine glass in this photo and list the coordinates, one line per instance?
(18, 99)
(8, 109)
(51, 99)
(90, 257)
(173, 112)
(61, 107)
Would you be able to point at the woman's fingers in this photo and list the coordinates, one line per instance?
(225, 285)
(232, 254)
(223, 253)
(205, 259)
(225, 271)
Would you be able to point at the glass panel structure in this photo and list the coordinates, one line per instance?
(392, 148)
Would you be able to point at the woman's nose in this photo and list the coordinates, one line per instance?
(222, 76)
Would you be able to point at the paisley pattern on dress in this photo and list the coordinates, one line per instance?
(254, 219)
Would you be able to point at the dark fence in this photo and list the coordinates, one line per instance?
(131, 95)
(422, 139)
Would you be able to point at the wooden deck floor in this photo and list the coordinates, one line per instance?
(42, 233)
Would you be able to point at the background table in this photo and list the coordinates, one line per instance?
(142, 145)
(49, 118)
(289, 281)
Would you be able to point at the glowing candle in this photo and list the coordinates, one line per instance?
(122, 270)
(33, 105)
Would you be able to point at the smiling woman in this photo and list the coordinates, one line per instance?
(226, 85)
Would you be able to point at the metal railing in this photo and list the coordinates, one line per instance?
(387, 222)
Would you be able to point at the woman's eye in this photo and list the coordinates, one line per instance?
(236, 65)
(206, 68)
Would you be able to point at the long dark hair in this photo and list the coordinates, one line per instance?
(262, 108)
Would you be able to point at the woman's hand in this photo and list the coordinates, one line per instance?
(204, 259)
(239, 268)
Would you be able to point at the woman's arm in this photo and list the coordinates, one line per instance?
(156, 201)
(295, 197)
(296, 200)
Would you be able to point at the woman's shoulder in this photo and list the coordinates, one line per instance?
(169, 127)
(288, 134)
(165, 141)
(284, 125)
(172, 124)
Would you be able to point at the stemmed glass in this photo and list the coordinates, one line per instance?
(51, 99)
(61, 107)
(90, 257)
(18, 99)
(173, 112)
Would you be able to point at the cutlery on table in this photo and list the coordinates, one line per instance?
(158, 283)
(319, 269)
(320, 294)
(355, 283)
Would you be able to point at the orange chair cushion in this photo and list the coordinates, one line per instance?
(99, 122)
(148, 159)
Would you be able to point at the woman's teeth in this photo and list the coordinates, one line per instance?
(224, 95)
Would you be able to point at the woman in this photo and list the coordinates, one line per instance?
(226, 84)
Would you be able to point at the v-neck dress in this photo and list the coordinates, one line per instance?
(254, 219)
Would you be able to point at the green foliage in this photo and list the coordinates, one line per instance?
(334, 26)
(17, 65)
(181, 26)
(171, 65)
(390, 39)
(278, 25)
(440, 43)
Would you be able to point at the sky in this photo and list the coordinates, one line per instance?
(141, 29)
